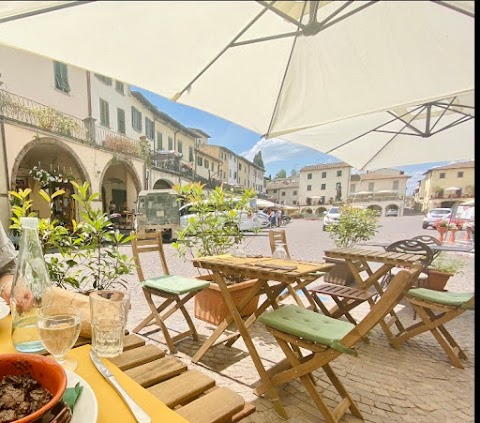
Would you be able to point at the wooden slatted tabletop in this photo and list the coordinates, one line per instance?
(387, 257)
(190, 393)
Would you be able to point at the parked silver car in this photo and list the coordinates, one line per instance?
(435, 214)
(331, 217)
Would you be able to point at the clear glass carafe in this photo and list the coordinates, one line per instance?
(280, 252)
(31, 289)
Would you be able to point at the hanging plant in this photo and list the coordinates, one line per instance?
(45, 177)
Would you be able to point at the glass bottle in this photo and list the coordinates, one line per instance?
(31, 289)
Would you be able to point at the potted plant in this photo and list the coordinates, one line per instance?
(354, 225)
(441, 269)
(442, 227)
(213, 229)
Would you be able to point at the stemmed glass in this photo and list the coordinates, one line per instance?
(59, 327)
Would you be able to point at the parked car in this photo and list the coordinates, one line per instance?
(392, 212)
(435, 214)
(331, 217)
(263, 219)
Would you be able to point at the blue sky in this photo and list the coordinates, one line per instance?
(277, 154)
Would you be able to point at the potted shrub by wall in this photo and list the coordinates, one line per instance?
(214, 230)
(354, 225)
(442, 268)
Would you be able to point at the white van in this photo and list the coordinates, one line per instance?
(248, 220)
(158, 210)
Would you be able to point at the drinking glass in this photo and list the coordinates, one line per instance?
(280, 252)
(238, 251)
(59, 327)
(109, 312)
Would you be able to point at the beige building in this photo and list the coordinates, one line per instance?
(284, 190)
(445, 186)
(67, 124)
(380, 190)
(322, 185)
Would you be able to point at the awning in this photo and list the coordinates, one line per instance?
(452, 189)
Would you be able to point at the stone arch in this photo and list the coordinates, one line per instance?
(307, 210)
(45, 141)
(163, 184)
(319, 211)
(392, 206)
(376, 207)
(130, 168)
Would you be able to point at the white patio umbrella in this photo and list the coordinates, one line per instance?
(275, 67)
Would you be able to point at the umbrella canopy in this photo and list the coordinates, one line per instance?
(274, 67)
(451, 189)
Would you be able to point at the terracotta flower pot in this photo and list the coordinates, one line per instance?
(451, 239)
(437, 280)
(441, 231)
(468, 234)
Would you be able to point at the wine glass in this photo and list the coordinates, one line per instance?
(238, 251)
(280, 251)
(59, 327)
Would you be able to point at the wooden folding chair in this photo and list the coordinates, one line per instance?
(176, 290)
(436, 308)
(280, 236)
(326, 339)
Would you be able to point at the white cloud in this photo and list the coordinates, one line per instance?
(274, 150)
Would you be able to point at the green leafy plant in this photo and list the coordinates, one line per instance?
(215, 227)
(354, 225)
(85, 257)
(448, 263)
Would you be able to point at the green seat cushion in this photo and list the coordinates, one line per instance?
(177, 285)
(308, 325)
(454, 299)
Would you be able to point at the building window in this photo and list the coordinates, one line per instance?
(190, 154)
(460, 175)
(283, 193)
(352, 188)
(323, 187)
(105, 79)
(119, 87)
(61, 77)
(371, 186)
(274, 191)
(199, 161)
(324, 174)
(339, 173)
(149, 128)
(170, 143)
(121, 120)
(180, 146)
(136, 119)
(159, 141)
(309, 187)
(213, 166)
(395, 185)
(294, 192)
(206, 164)
(239, 166)
(309, 176)
(442, 175)
(294, 202)
(104, 113)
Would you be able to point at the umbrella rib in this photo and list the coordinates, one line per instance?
(45, 10)
(277, 101)
(283, 15)
(391, 139)
(443, 113)
(255, 19)
(459, 121)
(451, 6)
(259, 40)
(400, 118)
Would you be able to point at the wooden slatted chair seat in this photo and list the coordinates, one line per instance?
(174, 289)
(436, 308)
(326, 339)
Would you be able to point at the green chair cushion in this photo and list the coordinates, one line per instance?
(308, 325)
(454, 299)
(176, 285)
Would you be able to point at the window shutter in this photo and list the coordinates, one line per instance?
(121, 120)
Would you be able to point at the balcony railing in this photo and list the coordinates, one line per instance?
(47, 118)
(374, 198)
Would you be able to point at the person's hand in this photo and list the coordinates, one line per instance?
(23, 298)
(6, 287)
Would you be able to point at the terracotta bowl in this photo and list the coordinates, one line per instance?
(44, 370)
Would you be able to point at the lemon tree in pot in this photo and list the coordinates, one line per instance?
(213, 229)
(442, 268)
(354, 225)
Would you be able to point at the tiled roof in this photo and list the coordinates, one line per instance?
(460, 165)
(324, 166)
(370, 176)
(200, 132)
(280, 185)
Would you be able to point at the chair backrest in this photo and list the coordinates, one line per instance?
(145, 243)
(392, 295)
(427, 239)
(413, 246)
(278, 236)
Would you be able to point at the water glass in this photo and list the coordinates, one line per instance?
(59, 328)
(109, 313)
(280, 251)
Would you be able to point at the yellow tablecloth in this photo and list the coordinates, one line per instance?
(111, 408)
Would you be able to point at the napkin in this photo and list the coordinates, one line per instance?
(71, 395)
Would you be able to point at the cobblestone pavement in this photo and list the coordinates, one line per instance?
(416, 384)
